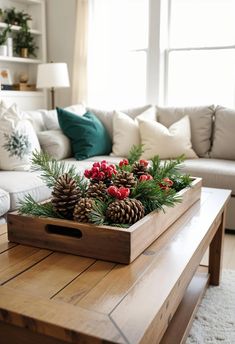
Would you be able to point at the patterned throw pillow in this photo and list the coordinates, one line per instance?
(18, 140)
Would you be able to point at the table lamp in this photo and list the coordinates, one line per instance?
(52, 75)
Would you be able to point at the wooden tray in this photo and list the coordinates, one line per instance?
(102, 242)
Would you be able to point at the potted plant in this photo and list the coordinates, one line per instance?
(24, 43)
(1, 15)
(10, 15)
(3, 40)
(18, 18)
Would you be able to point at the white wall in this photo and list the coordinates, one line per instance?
(61, 21)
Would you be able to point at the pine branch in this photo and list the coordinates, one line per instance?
(97, 214)
(168, 168)
(51, 169)
(135, 153)
(29, 206)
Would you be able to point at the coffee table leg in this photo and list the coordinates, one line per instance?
(215, 253)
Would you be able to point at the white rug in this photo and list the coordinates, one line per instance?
(215, 319)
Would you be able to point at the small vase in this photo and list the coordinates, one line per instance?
(24, 52)
(10, 46)
(3, 50)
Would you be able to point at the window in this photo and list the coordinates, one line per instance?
(200, 58)
(118, 53)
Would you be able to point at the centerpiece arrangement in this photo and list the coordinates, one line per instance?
(116, 195)
(111, 212)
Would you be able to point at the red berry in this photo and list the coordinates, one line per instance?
(168, 181)
(96, 164)
(112, 191)
(87, 173)
(123, 193)
(143, 162)
(143, 178)
(123, 162)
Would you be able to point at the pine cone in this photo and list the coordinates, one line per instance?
(65, 195)
(82, 209)
(97, 191)
(139, 169)
(129, 210)
(125, 179)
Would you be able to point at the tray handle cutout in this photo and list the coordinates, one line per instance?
(66, 231)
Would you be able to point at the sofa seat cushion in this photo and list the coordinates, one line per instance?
(20, 183)
(4, 202)
(215, 173)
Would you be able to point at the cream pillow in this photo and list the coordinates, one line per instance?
(55, 143)
(51, 120)
(166, 142)
(18, 140)
(126, 130)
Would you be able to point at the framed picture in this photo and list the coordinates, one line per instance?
(5, 76)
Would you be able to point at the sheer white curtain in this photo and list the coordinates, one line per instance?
(79, 81)
(111, 51)
(118, 49)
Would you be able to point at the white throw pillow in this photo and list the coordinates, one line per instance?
(18, 140)
(51, 120)
(55, 143)
(166, 142)
(126, 130)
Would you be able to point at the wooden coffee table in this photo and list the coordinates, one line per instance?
(53, 298)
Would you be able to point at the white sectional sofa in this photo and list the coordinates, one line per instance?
(215, 169)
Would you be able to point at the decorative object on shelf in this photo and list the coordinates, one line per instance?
(22, 86)
(9, 46)
(113, 195)
(24, 43)
(3, 41)
(52, 75)
(23, 77)
(5, 76)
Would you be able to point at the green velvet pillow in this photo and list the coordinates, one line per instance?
(87, 134)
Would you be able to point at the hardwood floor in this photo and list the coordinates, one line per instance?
(229, 253)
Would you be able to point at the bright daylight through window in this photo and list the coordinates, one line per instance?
(118, 53)
(197, 62)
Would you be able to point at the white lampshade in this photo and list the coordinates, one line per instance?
(52, 75)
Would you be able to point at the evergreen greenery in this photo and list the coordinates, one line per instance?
(30, 207)
(135, 153)
(153, 193)
(51, 170)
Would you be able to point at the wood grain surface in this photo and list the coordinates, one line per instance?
(55, 298)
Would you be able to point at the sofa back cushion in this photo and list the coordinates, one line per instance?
(55, 143)
(201, 119)
(51, 119)
(106, 116)
(223, 146)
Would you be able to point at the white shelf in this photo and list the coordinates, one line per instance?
(29, 2)
(22, 93)
(19, 59)
(17, 28)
